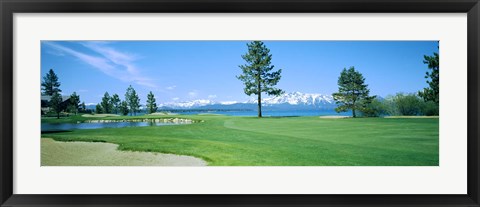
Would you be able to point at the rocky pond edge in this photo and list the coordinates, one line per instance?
(154, 120)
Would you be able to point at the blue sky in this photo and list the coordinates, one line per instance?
(189, 70)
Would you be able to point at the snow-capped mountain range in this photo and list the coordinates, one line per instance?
(297, 98)
(290, 100)
(187, 104)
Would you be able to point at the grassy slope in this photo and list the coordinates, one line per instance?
(292, 141)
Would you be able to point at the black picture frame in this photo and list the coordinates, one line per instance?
(10, 7)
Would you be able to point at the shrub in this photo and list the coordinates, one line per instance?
(375, 108)
(98, 109)
(430, 108)
(405, 105)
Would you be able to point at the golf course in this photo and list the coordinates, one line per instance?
(230, 103)
(222, 140)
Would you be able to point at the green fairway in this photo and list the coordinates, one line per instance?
(284, 141)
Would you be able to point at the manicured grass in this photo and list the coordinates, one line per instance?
(287, 141)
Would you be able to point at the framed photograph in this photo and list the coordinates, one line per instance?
(239, 103)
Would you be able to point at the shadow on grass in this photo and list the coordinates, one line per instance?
(273, 117)
(55, 131)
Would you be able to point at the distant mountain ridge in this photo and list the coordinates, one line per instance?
(287, 101)
(297, 98)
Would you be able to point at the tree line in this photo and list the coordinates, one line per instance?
(258, 76)
(353, 94)
(51, 87)
(109, 104)
(130, 105)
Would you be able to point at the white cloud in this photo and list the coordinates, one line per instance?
(111, 62)
(171, 87)
(212, 96)
(175, 99)
(55, 52)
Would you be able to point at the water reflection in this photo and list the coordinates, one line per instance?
(72, 126)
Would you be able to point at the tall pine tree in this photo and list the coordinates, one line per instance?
(124, 108)
(353, 93)
(257, 74)
(50, 83)
(98, 109)
(433, 79)
(151, 105)
(132, 99)
(115, 103)
(106, 103)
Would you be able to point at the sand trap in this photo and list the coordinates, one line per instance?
(106, 154)
(333, 117)
(99, 115)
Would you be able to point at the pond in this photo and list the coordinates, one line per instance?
(72, 126)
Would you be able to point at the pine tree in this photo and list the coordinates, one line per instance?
(50, 83)
(115, 103)
(151, 105)
(106, 103)
(74, 103)
(353, 93)
(257, 74)
(98, 109)
(433, 79)
(132, 99)
(83, 107)
(56, 103)
(124, 108)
